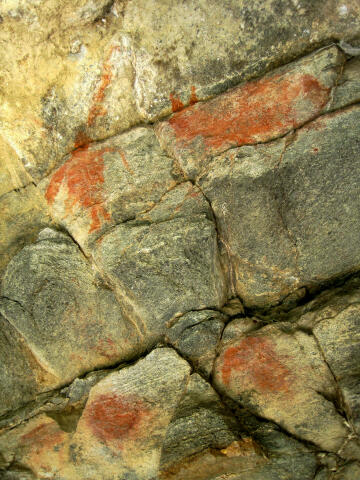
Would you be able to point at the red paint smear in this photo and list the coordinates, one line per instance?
(83, 174)
(126, 163)
(193, 97)
(97, 109)
(251, 113)
(107, 348)
(46, 435)
(176, 103)
(255, 359)
(116, 417)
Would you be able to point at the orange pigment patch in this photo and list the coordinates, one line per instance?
(116, 417)
(251, 113)
(176, 103)
(97, 109)
(83, 174)
(256, 360)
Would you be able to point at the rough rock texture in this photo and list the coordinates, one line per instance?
(179, 240)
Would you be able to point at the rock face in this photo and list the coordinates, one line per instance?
(179, 244)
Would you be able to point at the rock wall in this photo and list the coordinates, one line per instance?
(179, 240)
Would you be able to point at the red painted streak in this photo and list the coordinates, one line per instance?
(176, 103)
(97, 109)
(46, 435)
(116, 417)
(126, 163)
(251, 113)
(255, 361)
(193, 98)
(83, 175)
(107, 348)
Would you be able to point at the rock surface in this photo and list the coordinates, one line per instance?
(179, 240)
(290, 194)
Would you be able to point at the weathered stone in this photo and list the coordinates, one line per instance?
(347, 90)
(275, 456)
(279, 374)
(204, 47)
(69, 323)
(20, 371)
(207, 231)
(104, 184)
(196, 335)
(12, 172)
(23, 214)
(279, 208)
(68, 76)
(255, 112)
(289, 458)
(94, 69)
(350, 471)
(39, 447)
(122, 429)
(200, 422)
(339, 340)
(165, 262)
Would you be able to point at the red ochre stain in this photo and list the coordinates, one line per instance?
(116, 417)
(83, 175)
(97, 109)
(176, 103)
(256, 361)
(251, 113)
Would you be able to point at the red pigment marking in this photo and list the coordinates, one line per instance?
(251, 113)
(126, 163)
(116, 417)
(107, 348)
(83, 174)
(176, 103)
(45, 435)
(315, 150)
(97, 109)
(255, 359)
(193, 98)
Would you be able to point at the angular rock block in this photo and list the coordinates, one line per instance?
(149, 420)
(255, 112)
(23, 214)
(196, 336)
(279, 373)
(165, 262)
(103, 184)
(288, 211)
(62, 320)
(120, 432)
(123, 426)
